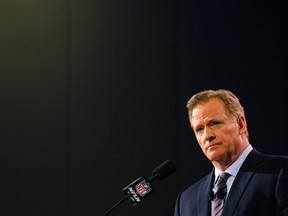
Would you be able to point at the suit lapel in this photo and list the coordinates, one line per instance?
(241, 181)
(203, 203)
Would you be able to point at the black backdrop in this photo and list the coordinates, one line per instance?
(93, 95)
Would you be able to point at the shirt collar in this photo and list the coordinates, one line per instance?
(235, 166)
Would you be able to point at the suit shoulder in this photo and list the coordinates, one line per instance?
(281, 160)
(276, 161)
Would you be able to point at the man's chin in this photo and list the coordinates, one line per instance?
(215, 156)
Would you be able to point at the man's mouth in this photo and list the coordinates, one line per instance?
(210, 146)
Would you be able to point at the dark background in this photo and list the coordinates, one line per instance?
(93, 95)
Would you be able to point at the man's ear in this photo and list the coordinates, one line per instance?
(242, 124)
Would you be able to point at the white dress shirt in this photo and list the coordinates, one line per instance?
(234, 167)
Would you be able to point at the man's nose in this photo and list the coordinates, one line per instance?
(209, 134)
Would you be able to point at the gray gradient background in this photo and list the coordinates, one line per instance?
(93, 95)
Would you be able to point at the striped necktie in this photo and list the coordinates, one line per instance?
(220, 190)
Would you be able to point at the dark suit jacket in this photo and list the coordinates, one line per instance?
(260, 188)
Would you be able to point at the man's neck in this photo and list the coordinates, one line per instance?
(224, 163)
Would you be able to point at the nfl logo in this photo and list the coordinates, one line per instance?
(143, 188)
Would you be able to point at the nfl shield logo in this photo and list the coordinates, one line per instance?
(143, 188)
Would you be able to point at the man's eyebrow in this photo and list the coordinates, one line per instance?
(213, 121)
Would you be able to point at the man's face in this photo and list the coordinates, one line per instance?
(217, 134)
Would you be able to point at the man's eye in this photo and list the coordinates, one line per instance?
(215, 123)
(199, 130)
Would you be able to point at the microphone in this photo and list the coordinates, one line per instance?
(219, 194)
(211, 195)
(164, 170)
(141, 187)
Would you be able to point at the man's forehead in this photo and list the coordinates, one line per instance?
(208, 111)
(210, 106)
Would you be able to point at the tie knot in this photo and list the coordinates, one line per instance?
(223, 176)
(220, 184)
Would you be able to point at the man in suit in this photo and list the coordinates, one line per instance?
(243, 181)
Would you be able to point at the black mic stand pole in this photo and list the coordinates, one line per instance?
(117, 204)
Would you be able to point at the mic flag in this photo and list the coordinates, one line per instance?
(141, 187)
(138, 190)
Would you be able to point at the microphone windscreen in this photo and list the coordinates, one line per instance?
(211, 195)
(164, 169)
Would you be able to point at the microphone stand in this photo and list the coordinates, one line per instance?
(117, 204)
